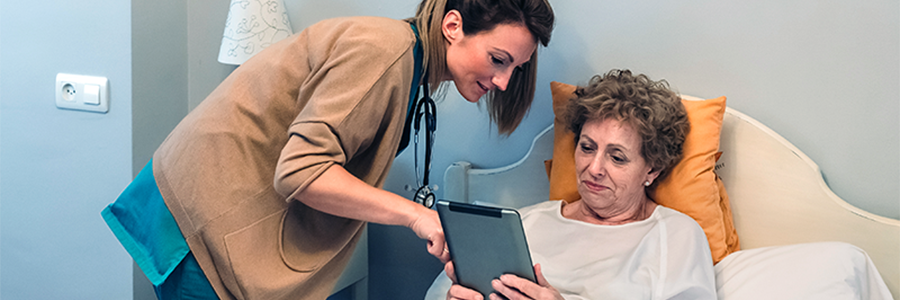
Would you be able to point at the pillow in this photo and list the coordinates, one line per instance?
(563, 179)
(827, 270)
(691, 188)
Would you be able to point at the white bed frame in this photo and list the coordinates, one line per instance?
(777, 194)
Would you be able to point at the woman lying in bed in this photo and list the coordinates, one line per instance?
(615, 242)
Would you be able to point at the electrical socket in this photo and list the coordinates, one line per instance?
(80, 92)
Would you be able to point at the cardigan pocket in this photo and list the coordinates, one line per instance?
(279, 255)
(310, 238)
(256, 261)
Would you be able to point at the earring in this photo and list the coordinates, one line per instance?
(647, 183)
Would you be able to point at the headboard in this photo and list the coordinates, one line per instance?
(777, 194)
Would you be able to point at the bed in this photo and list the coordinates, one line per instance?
(783, 212)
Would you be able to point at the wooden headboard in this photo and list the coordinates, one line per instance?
(777, 194)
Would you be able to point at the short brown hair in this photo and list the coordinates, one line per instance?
(654, 111)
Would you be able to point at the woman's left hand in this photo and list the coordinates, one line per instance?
(515, 288)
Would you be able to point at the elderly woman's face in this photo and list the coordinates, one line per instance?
(611, 170)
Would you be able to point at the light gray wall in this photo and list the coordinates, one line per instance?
(159, 74)
(160, 79)
(59, 168)
(204, 31)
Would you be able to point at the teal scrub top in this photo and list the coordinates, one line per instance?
(143, 224)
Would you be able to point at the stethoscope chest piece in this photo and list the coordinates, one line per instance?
(425, 196)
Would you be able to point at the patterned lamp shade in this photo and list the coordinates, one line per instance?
(252, 25)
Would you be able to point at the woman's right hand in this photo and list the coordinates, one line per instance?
(428, 227)
(339, 193)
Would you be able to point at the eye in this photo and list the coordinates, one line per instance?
(496, 60)
(521, 68)
(586, 148)
(618, 158)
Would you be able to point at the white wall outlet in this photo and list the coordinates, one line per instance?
(79, 92)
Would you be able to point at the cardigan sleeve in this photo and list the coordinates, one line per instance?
(352, 99)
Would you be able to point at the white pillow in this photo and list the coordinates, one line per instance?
(827, 270)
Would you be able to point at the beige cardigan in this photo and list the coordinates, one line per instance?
(336, 93)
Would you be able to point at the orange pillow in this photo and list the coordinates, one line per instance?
(563, 179)
(691, 188)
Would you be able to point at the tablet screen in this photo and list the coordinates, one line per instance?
(484, 242)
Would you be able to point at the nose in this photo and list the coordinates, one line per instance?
(501, 79)
(597, 166)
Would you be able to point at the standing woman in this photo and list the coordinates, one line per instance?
(262, 191)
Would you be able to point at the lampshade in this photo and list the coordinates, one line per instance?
(252, 25)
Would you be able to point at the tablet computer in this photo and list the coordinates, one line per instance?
(484, 242)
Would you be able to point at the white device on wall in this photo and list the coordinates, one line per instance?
(80, 92)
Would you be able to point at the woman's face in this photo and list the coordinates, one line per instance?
(611, 171)
(481, 62)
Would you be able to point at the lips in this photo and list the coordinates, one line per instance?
(593, 186)
(477, 94)
(484, 89)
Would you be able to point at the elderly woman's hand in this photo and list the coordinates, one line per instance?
(511, 286)
(515, 288)
(458, 292)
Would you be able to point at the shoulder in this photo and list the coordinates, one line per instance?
(377, 30)
(679, 224)
(674, 217)
(683, 234)
(363, 47)
(363, 40)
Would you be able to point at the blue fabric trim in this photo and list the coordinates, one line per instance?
(417, 71)
(143, 224)
(187, 282)
(417, 77)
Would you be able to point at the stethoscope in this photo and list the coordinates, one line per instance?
(425, 108)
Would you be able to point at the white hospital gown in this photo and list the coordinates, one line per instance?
(665, 256)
